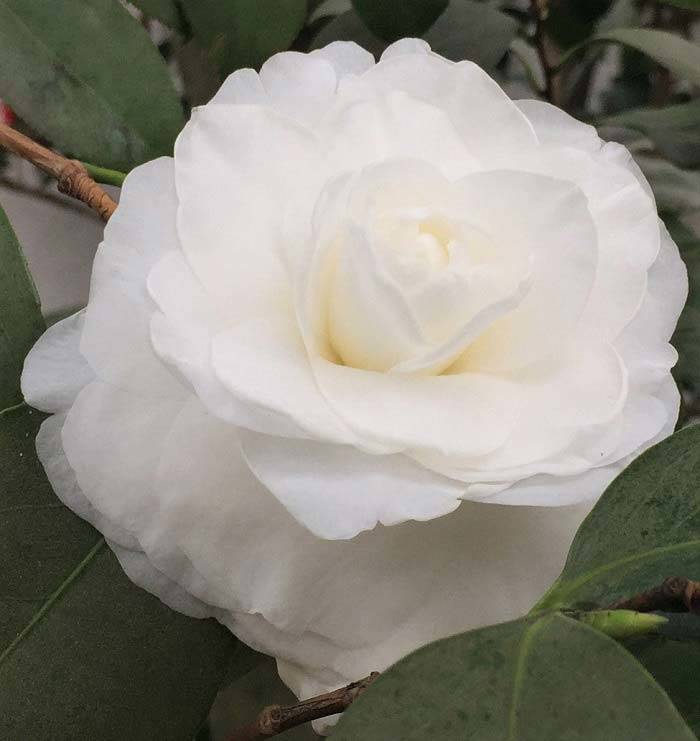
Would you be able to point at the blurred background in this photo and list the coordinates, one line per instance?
(638, 88)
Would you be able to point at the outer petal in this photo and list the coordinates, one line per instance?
(337, 491)
(54, 370)
(49, 447)
(116, 338)
(556, 128)
(489, 123)
(346, 57)
(236, 168)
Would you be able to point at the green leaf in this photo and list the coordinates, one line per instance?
(675, 665)
(675, 130)
(645, 527)
(687, 4)
(244, 33)
(85, 74)
(547, 677)
(163, 10)
(680, 56)
(20, 315)
(85, 654)
(394, 19)
(349, 27)
(474, 31)
(686, 338)
(675, 190)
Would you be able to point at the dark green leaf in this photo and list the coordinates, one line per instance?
(675, 130)
(244, 33)
(471, 30)
(680, 56)
(20, 316)
(675, 665)
(645, 527)
(686, 338)
(547, 677)
(687, 4)
(349, 27)
(84, 74)
(394, 19)
(85, 654)
(163, 10)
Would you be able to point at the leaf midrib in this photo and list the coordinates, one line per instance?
(55, 596)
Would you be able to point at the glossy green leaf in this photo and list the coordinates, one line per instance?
(675, 130)
(645, 527)
(20, 315)
(669, 50)
(85, 654)
(394, 19)
(349, 27)
(686, 338)
(547, 677)
(244, 33)
(474, 31)
(164, 10)
(675, 665)
(85, 74)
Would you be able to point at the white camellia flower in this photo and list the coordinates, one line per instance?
(363, 308)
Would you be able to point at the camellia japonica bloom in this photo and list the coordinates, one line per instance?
(349, 352)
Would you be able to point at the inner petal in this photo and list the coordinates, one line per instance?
(401, 279)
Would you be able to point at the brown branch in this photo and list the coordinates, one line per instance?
(675, 594)
(275, 719)
(71, 176)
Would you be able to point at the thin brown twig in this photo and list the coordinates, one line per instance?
(71, 176)
(539, 9)
(674, 594)
(275, 719)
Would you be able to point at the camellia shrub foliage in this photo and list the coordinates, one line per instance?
(375, 338)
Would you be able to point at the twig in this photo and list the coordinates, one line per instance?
(71, 176)
(539, 10)
(675, 594)
(275, 719)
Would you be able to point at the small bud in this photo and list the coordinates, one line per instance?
(622, 623)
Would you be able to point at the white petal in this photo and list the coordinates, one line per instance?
(54, 369)
(236, 168)
(264, 362)
(49, 446)
(347, 58)
(454, 415)
(112, 441)
(240, 88)
(488, 122)
(116, 338)
(406, 46)
(337, 491)
(301, 86)
(382, 126)
(554, 127)
(547, 220)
